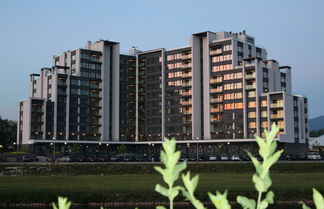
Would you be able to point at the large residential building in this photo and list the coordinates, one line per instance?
(221, 88)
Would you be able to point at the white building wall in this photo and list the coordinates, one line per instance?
(196, 87)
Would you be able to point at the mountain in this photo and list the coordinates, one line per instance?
(316, 123)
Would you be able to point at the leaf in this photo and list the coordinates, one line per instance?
(220, 200)
(264, 204)
(160, 207)
(261, 185)
(270, 197)
(256, 163)
(304, 205)
(263, 147)
(267, 163)
(246, 203)
(318, 199)
(63, 203)
(162, 190)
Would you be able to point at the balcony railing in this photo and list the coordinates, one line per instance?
(216, 90)
(185, 75)
(276, 105)
(186, 93)
(215, 119)
(277, 116)
(213, 110)
(187, 84)
(250, 76)
(187, 112)
(186, 65)
(217, 80)
(250, 86)
(217, 51)
(186, 102)
(187, 56)
(216, 100)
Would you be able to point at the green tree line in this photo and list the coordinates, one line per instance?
(8, 134)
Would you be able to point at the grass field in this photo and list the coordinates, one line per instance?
(140, 187)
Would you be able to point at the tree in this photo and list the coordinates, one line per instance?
(122, 149)
(8, 134)
(316, 133)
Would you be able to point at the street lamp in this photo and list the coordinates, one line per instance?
(197, 149)
(53, 149)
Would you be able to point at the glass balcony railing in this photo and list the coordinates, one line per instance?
(250, 76)
(217, 80)
(250, 86)
(277, 105)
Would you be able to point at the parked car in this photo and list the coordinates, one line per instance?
(224, 157)
(25, 158)
(63, 159)
(212, 158)
(246, 158)
(314, 156)
(192, 158)
(235, 158)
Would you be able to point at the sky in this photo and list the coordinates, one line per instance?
(31, 32)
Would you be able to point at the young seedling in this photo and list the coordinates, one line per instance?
(171, 172)
(261, 179)
(63, 203)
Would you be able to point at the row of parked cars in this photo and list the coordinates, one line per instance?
(129, 157)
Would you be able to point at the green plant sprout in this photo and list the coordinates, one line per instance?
(261, 179)
(63, 203)
(171, 172)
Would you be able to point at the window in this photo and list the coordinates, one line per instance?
(251, 94)
(73, 57)
(227, 48)
(264, 103)
(238, 95)
(251, 114)
(264, 124)
(251, 104)
(238, 105)
(252, 125)
(264, 114)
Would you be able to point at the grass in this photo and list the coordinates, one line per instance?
(140, 187)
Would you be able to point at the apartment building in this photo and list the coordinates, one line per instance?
(221, 88)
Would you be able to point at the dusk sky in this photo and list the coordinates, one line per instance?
(33, 31)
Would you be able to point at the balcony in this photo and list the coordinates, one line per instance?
(186, 102)
(186, 75)
(186, 121)
(186, 65)
(61, 83)
(186, 93)
(217, 51)
(217, 80)
(215, 120)
(187, 112)
(186, 84)
(216, 100)
(277, 116)
(186, 56)
(214, 110)
(94, 95)
(217, 90)
(250, 76)
(250, 86)
(277, 105)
